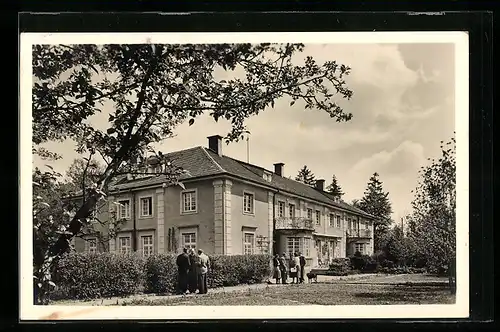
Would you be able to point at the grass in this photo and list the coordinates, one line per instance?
(376, 291)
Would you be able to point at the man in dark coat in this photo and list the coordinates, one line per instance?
(193, 272)
(283, 268)
(302, 267)
(183, 265)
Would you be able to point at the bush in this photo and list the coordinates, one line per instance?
(89, 276)
(161, 274)
(359, 262)
(339, 267)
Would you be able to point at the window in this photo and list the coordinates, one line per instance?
(124, 244)
(359, 247)
(291, 210)
(124, 209)
(339, 221)
(267, 176)
(318, 217)
(281, 209)
(349, 222)
(248, 243)
(189, 240)
(332, 220)
(146, 206)
(307, 246)
(293, 245)
(189, 201)
(92, 246)
(298, 244)
(147, 245)
(366, 225)
(248, 203)
(309, 214)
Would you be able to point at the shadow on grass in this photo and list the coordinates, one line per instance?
(428, 294)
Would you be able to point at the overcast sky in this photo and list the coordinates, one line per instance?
(403, 106)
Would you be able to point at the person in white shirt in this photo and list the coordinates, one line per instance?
(204, 265)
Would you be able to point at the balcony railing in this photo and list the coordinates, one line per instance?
(294, 223)
(360, 233)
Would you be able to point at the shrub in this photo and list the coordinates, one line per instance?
(88, 276)
(339, 267)
(161, 274)
(359, 262)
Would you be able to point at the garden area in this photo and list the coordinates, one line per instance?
(114, 279)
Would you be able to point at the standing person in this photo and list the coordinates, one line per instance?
(283, 267)
(302, 263)
(296, 259)
(193, 272)
(293, 269)
(183, 265)
(204, 265)
(277, 268)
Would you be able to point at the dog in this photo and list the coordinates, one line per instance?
(312, 277)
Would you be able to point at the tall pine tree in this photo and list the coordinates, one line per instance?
(306, 176)
(376, 202)
(334, 188)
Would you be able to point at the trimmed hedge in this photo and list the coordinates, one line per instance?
(90, 276)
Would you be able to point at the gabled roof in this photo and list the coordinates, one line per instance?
(201, 162)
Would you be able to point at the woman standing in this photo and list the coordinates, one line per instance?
(193, 272)
(277, 268)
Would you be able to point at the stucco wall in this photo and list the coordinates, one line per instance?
(256, 222)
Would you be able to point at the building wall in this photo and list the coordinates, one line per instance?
(200, 222)
(256, 223)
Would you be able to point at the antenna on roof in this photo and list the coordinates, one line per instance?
(248, 148)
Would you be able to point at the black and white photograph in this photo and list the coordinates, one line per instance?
(322, 174)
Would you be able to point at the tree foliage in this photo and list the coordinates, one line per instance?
(376, 202)
(152, 89)
(433, 222)
(306, 176)
(334, 188)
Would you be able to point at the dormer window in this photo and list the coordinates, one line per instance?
(268, 176)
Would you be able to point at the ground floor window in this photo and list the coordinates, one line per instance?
(147, 245)
(299, 244)
(359, 247)
(189, 240)
(92, 246)
(124, 244)
(248, 243)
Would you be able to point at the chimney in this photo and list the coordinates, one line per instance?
(320, 185)
(215, 144)
(278, 169)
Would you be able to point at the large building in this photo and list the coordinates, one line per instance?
(226, 206)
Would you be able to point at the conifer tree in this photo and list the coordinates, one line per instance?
(306, 176)
(334, 188)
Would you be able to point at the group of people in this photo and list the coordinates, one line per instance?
(192, 272)
(293, 266)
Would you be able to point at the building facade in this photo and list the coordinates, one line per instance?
(226, 206)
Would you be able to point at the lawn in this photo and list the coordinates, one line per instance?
(376, 291)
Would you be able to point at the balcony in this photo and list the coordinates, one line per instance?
(282, 223)
(359, 233)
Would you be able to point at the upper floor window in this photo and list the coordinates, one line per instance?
(146, 206)
(291, 210)
(367, 226)
(281, 209)
(339, 221)
(309, 214)
(124, 209)
(318, 217)
(189, 201)
(268, 176)
(248, 202)
(147, 245)
(332, 220)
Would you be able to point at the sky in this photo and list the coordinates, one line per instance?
(403, 106)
